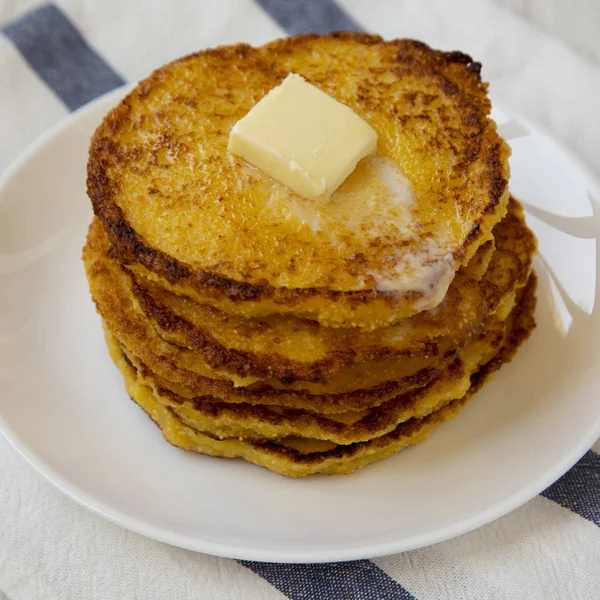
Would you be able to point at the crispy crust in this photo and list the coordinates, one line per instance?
(234, 345)
(373, 383)
(222, 355)
(257, 422)
(286, 460)
(465, 305)
(456, 78)
(461, 316)
(183, 367)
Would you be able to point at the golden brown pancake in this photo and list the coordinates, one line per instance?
(297, 457)
(362, 386)
(307, 336)
(383, 379)
(182, 212)
(395, 372)
(285, 347)
(248, 421)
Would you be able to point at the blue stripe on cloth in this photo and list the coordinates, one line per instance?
(61, 57)
(579, 489)
(312, 16)
(357, 580)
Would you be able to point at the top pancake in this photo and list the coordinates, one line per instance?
(283, 346)
(183, 212)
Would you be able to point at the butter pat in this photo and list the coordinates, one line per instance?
(303, 138)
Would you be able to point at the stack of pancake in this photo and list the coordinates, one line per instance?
(307, 336)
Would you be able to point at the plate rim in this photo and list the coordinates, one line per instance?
(242, 552)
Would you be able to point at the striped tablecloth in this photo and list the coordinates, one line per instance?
(54, 58)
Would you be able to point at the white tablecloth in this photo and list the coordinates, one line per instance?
(54, 58)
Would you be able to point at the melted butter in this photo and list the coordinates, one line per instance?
(422, 273)
(376, 201)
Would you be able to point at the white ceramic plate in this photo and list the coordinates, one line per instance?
(63, 406)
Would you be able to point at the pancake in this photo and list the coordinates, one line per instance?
(364, 385)
(307, 336)
(256, 422)
(351, 391)
(182, 212)
(384, 378)
(296, 457)
(508, 269)
(300, 350)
